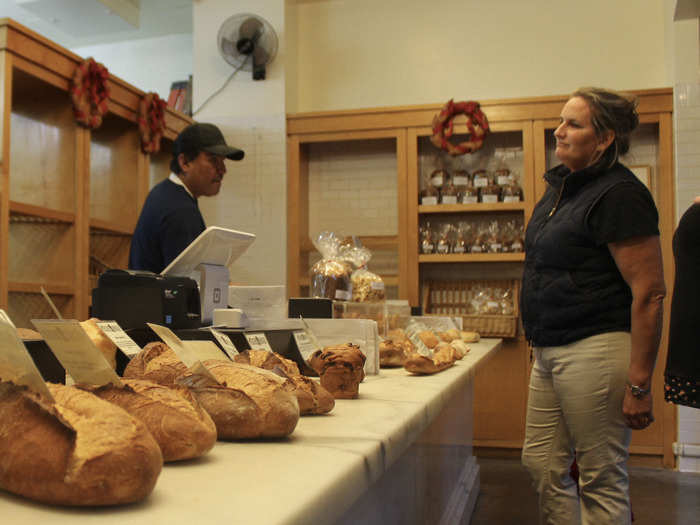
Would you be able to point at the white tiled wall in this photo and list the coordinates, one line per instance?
(687, 155)
(353, 191)
(352, 187)
(253, 197)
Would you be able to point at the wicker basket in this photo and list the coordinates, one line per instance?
(452, 298)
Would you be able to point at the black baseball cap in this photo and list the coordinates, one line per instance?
(205, 137)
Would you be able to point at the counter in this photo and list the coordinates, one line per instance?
(401, 453)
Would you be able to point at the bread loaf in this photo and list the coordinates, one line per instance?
(312, 397)
(341, 369)
(101, 341)
(273, 395)
(173, 415)
(443, 357)
(391, 354)
(79, 451)
(429, 338)
(247, 402)
(157, 363)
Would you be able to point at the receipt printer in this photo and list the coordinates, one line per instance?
(133, 298)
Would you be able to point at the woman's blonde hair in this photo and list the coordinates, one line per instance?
(611, 111)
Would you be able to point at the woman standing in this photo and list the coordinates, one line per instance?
(592, 304)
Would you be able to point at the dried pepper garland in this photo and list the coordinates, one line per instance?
(151, 122)
(477, 124)
(90, 93)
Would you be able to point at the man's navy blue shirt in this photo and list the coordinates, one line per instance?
(170, 220)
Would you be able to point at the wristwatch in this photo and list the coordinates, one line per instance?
(637, 391)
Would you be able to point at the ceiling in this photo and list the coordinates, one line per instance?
(79, 23)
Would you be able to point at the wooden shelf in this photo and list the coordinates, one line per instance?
(470, 208)
(27, 287)
(110, 227)
(470, 257)
(39, 212)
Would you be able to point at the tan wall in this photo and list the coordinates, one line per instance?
(368, 53)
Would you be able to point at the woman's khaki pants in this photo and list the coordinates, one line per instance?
(575, 407)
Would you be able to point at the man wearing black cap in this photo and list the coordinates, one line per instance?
(170, 218)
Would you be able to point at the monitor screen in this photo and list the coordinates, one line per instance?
(214, 245)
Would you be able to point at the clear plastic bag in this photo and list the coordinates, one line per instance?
(367, 287)
(330, 277)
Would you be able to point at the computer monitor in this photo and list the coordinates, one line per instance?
(215, 245)
(206, 260)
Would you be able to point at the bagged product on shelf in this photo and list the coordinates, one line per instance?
(448, 193)
(366, 286)
(429, 195)
(461, 244)
(460, 180)
(495, 240)
(444, 245)
(438, 178)
(330, 276)
(427, 245)
(511, 191)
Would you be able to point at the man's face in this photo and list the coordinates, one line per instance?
(203, 175)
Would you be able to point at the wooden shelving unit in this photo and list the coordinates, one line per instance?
(67, 192)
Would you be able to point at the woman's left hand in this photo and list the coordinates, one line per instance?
(638, 413)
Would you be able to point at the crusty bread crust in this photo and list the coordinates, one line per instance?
(173, 415)
(79, 451)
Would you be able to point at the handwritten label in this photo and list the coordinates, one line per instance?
(304, 343)
(118, 336)
(225, 342)
(16, 364)
(258, 341)
(76, 352)
(183, 352)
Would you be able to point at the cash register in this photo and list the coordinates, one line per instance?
(183, 295)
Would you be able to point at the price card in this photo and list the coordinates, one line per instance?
(16, 364)
(182, 351)
(76, 352)
(304, 343)
(205, 350)
(258, 341)
(225, 342)
(118, 336)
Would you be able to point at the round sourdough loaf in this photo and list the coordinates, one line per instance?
(312, 397)
(79, 451)
(173, 415)
(156, 362)
(273, 395)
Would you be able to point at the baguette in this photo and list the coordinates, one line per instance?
(80, 451)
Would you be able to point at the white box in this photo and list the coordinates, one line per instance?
(259, 302)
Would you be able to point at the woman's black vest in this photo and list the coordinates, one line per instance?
(571, 286)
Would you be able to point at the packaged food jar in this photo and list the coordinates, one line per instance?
(448, 193)
(490, 193)
(438, 178)
(512, 192)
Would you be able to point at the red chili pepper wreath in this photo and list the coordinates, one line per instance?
(89, 93)
(151, 122)
(477, 124)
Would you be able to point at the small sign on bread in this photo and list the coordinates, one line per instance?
(182, 350)
(77, 353)
(16, 364)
